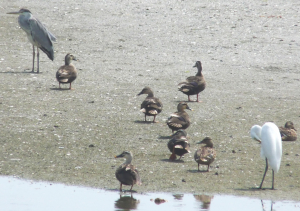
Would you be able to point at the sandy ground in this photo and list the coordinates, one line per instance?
(249, 53)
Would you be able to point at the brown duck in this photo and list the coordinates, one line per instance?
(179, 145)
(67, 73)
(288, 132)
(151, 106)
(127, 174)
(180, 119)
(205, 155)
(193, 84)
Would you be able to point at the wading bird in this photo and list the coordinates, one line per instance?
(37, 34)
(271, 146)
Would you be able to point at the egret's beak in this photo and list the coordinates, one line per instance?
(15, 13)
(257, 140)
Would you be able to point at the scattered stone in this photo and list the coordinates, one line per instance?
(91, 145)
(233, 151)
(159, 200)
(183, 180)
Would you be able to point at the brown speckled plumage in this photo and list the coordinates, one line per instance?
(67, 73)
(151, 106)
(205, 155)
(179, 144)
(180, 119)
(127, 174)
(288, 132)
(193, 84)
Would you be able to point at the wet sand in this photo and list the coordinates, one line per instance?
(249, 53)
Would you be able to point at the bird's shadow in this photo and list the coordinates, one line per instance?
(172, 161)
(196, 171)
(143, 122)
(165, 137)
(60, 89)
(20, 72)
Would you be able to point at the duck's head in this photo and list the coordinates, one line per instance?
(289, 125)
(68, 58)
(146, 90)
(198, 65)
(21, 11)
(183, 105)
(127, 155)
(207, 141)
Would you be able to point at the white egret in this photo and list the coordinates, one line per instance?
(271, 146)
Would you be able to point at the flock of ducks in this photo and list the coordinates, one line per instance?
(178, 145)
(178, 121)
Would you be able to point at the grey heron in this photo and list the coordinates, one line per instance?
(37, 34)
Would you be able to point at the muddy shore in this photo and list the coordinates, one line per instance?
(249, 54)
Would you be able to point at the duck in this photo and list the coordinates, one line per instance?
(288, 132)
(180, 119)
(193, 84)
(126, 173)
(179, 144)
(67, 73)
(206, 154)
(151, 106)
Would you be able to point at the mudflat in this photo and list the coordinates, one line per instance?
(249, 53)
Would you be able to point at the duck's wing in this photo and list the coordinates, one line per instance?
(205, 155)
(65, 73)
(288, 134)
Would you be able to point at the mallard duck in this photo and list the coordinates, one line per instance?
(67, 73)
(180, 119)
(288, 132)
(178, 145)
(151, 106)
(205, 155)
(193, 84)
(127, 174)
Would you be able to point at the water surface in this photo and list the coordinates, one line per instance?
(22, 195)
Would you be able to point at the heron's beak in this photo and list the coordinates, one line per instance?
(15, 13)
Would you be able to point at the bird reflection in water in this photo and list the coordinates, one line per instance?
(178, 196)
(205, 199)
(126, 203)
(263, 207)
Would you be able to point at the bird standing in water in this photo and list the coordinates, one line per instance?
(37, 34)
(271, 146)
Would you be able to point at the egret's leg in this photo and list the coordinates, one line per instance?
(38, 60)
(33, 57)
(264, 174)
(272, 179)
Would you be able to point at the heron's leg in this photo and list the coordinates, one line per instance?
(264, 174)
(272, 179)
(38, 60)
(33, 57)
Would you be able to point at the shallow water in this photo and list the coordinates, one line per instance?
(19, 194)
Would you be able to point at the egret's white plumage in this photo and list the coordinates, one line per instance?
(271, 145)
